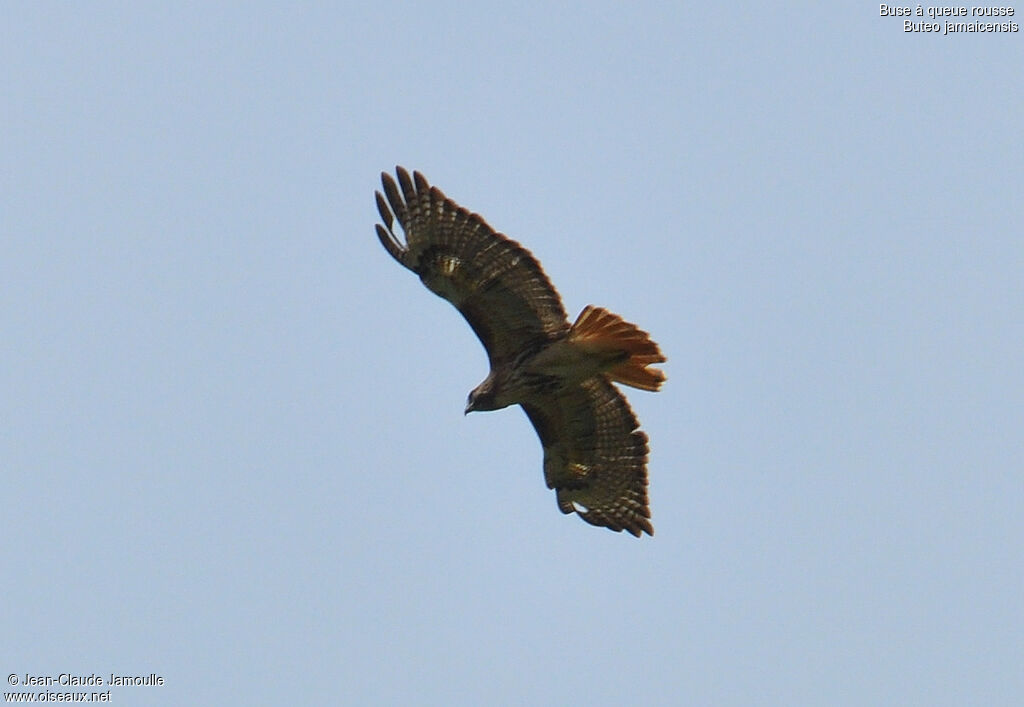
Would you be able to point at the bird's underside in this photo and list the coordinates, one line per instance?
(595, 457)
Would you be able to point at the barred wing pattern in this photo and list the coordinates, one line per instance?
(498, 285)
(595, 458)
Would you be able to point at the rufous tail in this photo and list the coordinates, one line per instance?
(599, 331)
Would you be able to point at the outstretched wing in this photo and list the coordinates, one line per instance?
(497, 284)
(594, 456)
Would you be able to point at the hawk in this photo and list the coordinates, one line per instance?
(595, 457)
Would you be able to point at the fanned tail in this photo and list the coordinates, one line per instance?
(599, 331)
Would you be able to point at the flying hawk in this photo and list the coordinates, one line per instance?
(595, 457)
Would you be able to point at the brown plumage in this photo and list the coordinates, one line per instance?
(597, 330)
(595, 457)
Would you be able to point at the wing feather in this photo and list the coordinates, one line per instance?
(498, 285)
(595, 457)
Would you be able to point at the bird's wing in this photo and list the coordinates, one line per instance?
(594, 456)
(497, 284)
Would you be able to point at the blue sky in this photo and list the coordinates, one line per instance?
(232, 438)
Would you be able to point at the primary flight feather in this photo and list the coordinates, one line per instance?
(595, 457)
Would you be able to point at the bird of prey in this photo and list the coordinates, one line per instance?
(595, 457)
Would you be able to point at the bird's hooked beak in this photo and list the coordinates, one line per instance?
(469, 407)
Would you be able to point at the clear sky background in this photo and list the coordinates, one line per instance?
(231, 432)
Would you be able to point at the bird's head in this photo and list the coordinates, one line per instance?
(481, 398)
